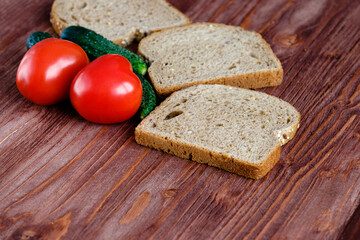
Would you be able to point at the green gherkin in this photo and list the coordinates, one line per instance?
(36, 37)
(148, 102)
(96, 46)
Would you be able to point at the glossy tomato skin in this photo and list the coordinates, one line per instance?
(106, 91)
(46, 71)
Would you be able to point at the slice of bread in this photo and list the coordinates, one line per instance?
(209, 53)
(235, 129)
(121, 21)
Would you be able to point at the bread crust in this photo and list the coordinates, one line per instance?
(59, 26)
(253, 80)
(202, 155)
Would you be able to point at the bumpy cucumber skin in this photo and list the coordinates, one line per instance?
(148, 102)
(96, 45)
(36, 37)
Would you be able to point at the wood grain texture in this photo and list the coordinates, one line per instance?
(62, 177)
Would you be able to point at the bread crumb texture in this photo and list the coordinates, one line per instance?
(121, 21)
(210, 53)
(235, 129)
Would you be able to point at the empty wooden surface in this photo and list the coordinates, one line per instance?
(62, 177)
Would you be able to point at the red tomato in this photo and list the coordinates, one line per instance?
(46, 71)
(106, 91)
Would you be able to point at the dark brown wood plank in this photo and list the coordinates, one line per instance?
(352, 230)
(62, 177)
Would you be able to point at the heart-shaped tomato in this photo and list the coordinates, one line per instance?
(106, 91)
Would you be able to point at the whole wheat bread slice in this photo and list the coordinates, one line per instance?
(235, 129)
(209, 53)
(121, 21)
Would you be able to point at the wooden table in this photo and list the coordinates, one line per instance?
(62, 177)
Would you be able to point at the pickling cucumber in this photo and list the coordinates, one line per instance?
(36, 37)
(96, 45)
(148, 102)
